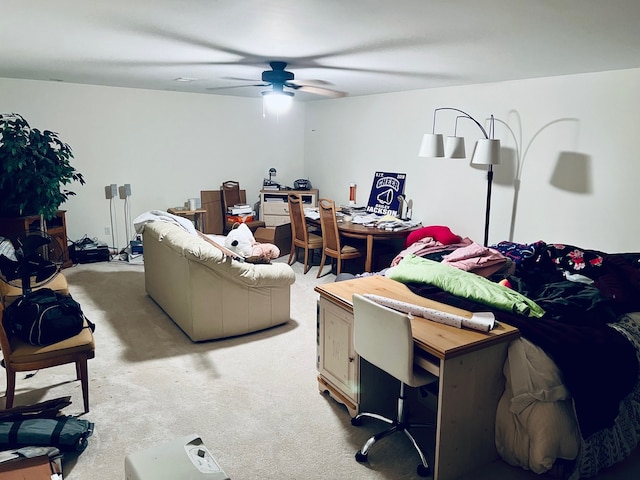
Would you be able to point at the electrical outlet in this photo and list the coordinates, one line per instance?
(107, 230)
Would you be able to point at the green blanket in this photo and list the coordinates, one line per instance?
(463, 284)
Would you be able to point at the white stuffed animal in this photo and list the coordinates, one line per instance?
(240, 240)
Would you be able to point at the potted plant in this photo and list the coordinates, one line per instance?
(34, 167)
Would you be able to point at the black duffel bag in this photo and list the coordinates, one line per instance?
(43, 317)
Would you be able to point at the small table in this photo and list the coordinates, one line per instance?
(197, 216)
(357, 230)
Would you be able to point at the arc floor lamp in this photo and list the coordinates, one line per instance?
(486, 152)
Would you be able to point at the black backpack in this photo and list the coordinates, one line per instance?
(43, 317)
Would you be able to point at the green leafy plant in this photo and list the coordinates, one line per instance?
(34, 167)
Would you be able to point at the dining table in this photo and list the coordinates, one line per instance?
(368, 233)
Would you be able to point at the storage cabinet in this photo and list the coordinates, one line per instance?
(337, 361)
(274, 206)
(15, 227)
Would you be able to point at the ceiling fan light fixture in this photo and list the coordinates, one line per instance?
(276, 101)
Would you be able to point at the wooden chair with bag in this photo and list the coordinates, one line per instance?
(20, 356)
(232, 195)
(301, 237)
(332, 245)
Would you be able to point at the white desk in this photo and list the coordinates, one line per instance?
(468, 365)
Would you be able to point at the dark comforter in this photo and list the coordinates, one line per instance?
(598, 364)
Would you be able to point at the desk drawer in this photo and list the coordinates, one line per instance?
(276, 220)
(276, 208)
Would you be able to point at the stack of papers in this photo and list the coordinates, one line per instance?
(384, 222)
(312, 213)
(239, 209)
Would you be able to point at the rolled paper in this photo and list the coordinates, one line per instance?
(481, 321)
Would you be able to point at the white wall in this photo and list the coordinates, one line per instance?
(167, 145)
(588, 119)
(170, 145)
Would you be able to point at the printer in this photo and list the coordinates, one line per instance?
(184, 458)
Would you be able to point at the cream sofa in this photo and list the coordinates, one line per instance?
(207, 294)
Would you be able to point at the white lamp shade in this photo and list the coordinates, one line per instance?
(277, 102)
(486, 152)
(455, 148)
(432, 145)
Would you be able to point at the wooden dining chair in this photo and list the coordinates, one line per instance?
(20, 356)
(232, 195)
(332, 245)
(301, 237)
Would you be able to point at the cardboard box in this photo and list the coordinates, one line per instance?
(280, 236)
(36, 468)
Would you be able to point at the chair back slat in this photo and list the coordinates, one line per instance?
(230, 194)
(233, 195)
(299, 230)
(329, 226)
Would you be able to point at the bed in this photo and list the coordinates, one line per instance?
(571, 403)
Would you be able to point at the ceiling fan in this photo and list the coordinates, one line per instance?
(279, 78)
(282, 81)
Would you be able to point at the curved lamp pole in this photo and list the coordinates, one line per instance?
(486, 152)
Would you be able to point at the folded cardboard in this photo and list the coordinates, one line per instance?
(280, 236)
(35, 468)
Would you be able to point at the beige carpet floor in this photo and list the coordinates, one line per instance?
(252, 399)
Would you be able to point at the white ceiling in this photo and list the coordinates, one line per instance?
(360, 47)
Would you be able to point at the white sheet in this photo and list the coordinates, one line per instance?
(158, 215)
(535, 422)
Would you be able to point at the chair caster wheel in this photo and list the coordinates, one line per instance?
(356, 422)
(423, 471)
(361, 457)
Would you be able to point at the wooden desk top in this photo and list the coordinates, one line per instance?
(440, 340)
(185, 212)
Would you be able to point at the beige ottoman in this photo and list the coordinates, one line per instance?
(9, 293)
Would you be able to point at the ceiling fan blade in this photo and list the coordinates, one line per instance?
(241, 57)
(310, 82)
(238, 86)
(240, 79)
(327, 92)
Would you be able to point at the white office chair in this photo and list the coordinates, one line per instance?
(383, 337)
